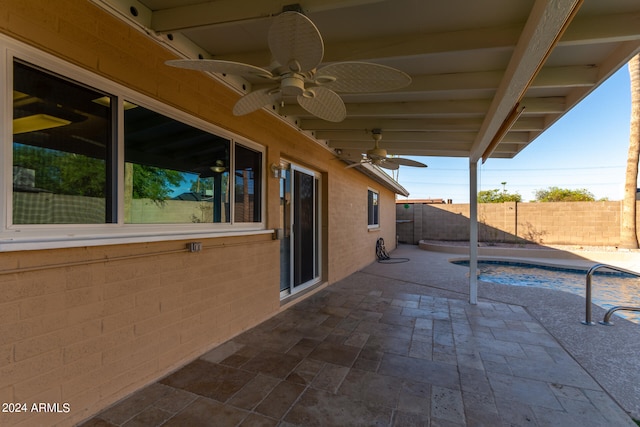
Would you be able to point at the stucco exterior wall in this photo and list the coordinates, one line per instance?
(571, 223)
(86, 326)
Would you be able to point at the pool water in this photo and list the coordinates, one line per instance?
(608, 289)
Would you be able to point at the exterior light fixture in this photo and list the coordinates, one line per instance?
(276, 170)
(219, 167)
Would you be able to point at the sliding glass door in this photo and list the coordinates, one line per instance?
(300, 221)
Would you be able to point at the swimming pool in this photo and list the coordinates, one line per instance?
(609, 289)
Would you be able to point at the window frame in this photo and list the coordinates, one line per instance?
(370, 206)
(45, 236)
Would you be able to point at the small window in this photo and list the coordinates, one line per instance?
(372, 209)
(248, 185)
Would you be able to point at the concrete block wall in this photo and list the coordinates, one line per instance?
(497, 221)
(97, 323)
(349, 194)
(571, 223)
(433, 222)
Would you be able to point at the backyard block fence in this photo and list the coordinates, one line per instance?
(561, 223)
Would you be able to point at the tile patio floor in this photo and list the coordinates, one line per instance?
(373, 350)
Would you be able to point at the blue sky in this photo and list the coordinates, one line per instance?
(587, 148)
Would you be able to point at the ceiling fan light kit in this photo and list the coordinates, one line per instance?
(297, 48)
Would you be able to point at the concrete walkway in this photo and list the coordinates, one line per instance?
(399, 345)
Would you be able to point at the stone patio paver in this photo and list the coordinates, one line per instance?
(372, 350)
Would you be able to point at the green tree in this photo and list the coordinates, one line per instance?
(61, 172)
(74, 174)
(556, 194)
(498, 196)
(200, 185)
(150, 182)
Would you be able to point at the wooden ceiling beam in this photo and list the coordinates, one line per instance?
(394, 136)
(610, 28)
(218, 12)
(443, 109)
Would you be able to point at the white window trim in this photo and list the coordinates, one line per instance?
(46, 236)
(373, 226)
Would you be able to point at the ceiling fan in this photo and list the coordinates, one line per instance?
(378, 156)
(297, 49)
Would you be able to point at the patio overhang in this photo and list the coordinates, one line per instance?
(488, 77)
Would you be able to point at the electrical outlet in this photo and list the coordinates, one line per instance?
(194, 246)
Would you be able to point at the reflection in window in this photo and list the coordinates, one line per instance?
(247, 185)
(61, 150)
(372, 209)
(65, 169)
(174, 173)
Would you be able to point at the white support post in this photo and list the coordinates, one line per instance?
(473, 232)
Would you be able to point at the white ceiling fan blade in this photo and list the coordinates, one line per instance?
(295, 42)
(256, 100)
(222, 67)
(324, 104)
(387, 164)
(406, 162)
(361, 77)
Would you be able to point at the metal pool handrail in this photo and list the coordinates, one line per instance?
(592, 270)
(609, 313)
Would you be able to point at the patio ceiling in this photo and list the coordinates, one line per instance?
(488, 76)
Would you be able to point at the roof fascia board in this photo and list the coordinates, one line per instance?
(546, 23)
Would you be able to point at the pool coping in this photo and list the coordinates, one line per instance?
(549, 256)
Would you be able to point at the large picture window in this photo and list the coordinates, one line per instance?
(114, 161)
(62, 135)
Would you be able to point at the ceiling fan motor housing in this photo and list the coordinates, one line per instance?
(292, 84)
(376, 152)
(379, 153)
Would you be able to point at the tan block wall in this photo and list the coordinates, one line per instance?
(432, 222)
(579, 223)
(99, 322)
(570, 222)
(347, 215)
(87, 326)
